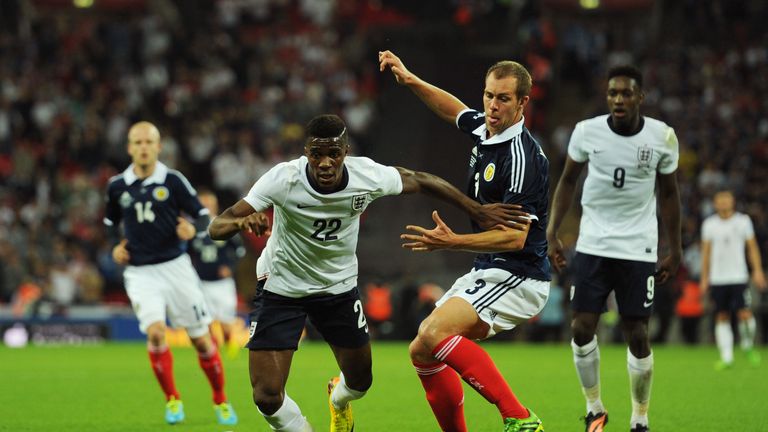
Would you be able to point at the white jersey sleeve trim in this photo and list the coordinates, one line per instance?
(458, 116)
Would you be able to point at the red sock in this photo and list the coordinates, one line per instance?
(444, 394)
(162, 364)
(478, 370)
(211, 365)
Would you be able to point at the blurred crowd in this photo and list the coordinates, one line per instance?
(231, 83)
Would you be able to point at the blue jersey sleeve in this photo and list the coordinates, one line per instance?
(469, 120)
(186, 195)
(113, 213)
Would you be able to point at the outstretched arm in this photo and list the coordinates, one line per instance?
(239, 217)
(669, 197)
(487, 216)
(500, 239)
(442, 103)
(561, 202)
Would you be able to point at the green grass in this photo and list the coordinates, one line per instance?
(111, 388)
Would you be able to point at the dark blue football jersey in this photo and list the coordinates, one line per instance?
(149, 210)
(209, 255)
(510, 168)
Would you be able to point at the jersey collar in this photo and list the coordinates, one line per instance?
(161, 171)
(509, 133)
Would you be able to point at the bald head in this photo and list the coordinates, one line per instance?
(144, 144)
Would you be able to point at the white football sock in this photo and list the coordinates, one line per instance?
(747, 333)
(288, 418)
(724, 339)
(640, 378)
(587, 361)
(342, 394)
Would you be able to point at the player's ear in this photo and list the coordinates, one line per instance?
(524, 101)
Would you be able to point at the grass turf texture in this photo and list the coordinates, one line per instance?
(111, 388)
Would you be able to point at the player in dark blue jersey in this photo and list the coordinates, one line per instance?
(149, 198)
(215, 262)
(509, 282)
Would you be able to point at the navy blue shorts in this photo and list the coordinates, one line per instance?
(277, 321)
(729, 298)
(594, 278)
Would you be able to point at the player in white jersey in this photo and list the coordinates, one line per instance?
(309, 267)
(628, 155)
(724, 237)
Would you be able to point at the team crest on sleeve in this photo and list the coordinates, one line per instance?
(359, 202)
(644, 156)
(490, 170)
(161, 193)
(125, 200)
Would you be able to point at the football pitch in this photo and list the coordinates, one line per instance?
(111, 388)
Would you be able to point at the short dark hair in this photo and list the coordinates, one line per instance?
(327, 126)
(628, 71)
(507, 68)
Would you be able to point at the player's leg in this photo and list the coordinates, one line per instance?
(469, 310)
(146, 289)
(221, 299)
(210, 362)
(276, 325)
(747, 325)
(723, 299)
(269, 374)
(593, 282)
(635, 298)
(639, 366)
(341, 321)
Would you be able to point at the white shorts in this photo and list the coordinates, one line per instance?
(221, 298)
(500, 298)
(172, 287)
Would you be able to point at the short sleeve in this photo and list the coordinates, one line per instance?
(390, 182)
(269, 188)
(576, 149)
(380, 180)
(706, 231)
(468, 120)
(749, 229)
(671, 156)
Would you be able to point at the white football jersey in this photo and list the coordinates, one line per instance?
(314, 234)
(619, 200)
(728, 238)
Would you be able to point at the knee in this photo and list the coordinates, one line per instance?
(429, 337)
(583, 332)
(268, 398)
(361, 380)
(156, 335)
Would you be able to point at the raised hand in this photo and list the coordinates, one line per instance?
(256, 223)
(387, 59)
(440, 237)
(489, 216)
